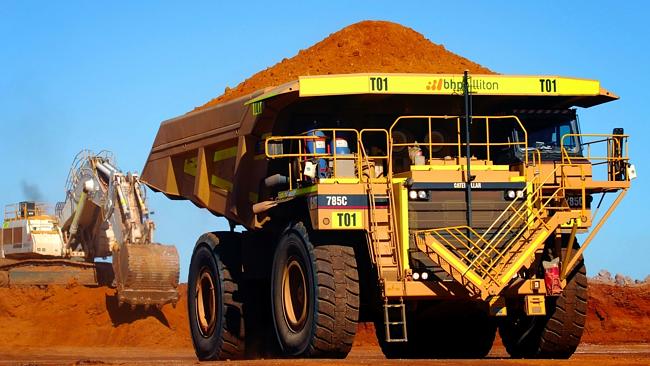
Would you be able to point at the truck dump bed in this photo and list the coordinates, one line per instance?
(198, 156)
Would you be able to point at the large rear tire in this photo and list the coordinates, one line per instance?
(314, 296)
(214, 298)
(556, 335)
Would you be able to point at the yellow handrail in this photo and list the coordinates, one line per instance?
(16, 211)
(304, 138)
(459, 144)
(617, 152)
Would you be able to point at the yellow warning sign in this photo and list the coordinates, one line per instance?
(347, 220)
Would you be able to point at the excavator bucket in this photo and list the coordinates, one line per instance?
(146, 274)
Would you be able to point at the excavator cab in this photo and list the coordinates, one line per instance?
(26, 209)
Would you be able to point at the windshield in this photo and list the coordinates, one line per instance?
(546, 128)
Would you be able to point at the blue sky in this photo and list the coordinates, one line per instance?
(103, 75)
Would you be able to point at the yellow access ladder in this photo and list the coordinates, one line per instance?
(384, 247)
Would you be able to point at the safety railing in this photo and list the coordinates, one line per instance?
(301, 153)
(379, 155)
(606, 149)
(26, 210)
(323, 144)
(487, 142)
(80, 159)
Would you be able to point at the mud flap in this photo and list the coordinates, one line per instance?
(552, 277)
(146, 274)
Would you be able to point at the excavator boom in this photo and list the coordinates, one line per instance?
(104, 214)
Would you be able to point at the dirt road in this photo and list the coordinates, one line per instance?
(587, 355)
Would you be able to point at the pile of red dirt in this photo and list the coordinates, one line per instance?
(367, 46)
(618, 314)
(80, 316)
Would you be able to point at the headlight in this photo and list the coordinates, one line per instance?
(425, 275)
(510, 194)
(413, 195)
(416, 276)
(422, 195)
(520, 194)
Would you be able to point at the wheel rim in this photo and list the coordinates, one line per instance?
(205, 309)
(294, 295)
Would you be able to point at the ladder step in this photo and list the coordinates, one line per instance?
(381, 216)
(387, 261)
(381, 235)
(395, 329)
(384, 248)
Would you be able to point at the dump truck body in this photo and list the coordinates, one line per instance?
(451, 188)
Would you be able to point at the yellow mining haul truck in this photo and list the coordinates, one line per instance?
(441, 207)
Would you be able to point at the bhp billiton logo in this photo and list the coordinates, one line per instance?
(457, 86)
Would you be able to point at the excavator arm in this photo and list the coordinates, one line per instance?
(105, 214)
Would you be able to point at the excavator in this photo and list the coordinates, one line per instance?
(104, 215)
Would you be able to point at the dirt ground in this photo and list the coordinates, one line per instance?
(587, 355)
(76, 324)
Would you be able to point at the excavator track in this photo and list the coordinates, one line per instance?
(43, 272)
(146, 274)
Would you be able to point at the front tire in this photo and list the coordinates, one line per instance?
(556, 335)
(314, 296)
(214, 298)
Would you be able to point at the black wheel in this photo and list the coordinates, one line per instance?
(442, 330)
(214, 300)
(314, 296)
(556, 335)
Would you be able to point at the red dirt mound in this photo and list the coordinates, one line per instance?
(618, 314)
(81, 316)
(367, 46)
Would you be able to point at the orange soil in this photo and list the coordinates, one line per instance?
(367, 46)
(80, 316)
(618, 314)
